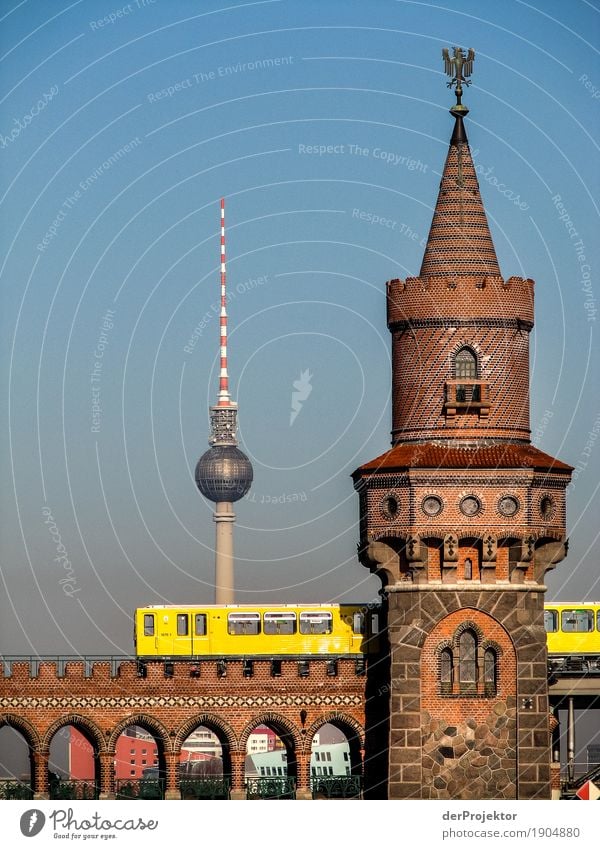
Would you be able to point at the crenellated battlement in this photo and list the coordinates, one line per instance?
(461, 297)
(62, 673)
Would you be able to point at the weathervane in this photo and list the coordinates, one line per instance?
(459, 67)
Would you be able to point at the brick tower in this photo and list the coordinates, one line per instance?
(463, 517)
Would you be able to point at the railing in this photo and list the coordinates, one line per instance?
(465, 393)
(140, 788)
(67, 789)
(270, 788)
(336, 787)
(204, 788)
(12, 789)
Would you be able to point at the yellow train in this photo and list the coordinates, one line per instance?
(573, 635)
(241, 630)
(285, 630)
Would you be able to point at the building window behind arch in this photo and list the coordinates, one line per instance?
(467, 669)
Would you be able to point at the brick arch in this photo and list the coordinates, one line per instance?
(350, 726)
(87, 726)
(492, 644)
(288, 731)
(145, 721)
(215, 723)
(29, 732)
(467, 625)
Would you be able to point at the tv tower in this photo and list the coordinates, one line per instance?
(223, 473)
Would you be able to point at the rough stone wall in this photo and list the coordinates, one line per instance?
(471, 760)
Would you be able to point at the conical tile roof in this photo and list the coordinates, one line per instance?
(459, 239)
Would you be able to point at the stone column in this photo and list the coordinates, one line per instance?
(40, 774)
(303, 790)
(238, 790)
(107, 775)
(172, 790)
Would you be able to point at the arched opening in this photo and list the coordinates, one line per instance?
(205, 764)
(335, 762)
(467, 666)
(16, 764)
(73, 764)
(270, 764)
(140, 767)
(490, 672)
(446, 671)
(465, 368)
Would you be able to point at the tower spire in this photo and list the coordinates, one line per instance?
(459, 240)
(224, 397)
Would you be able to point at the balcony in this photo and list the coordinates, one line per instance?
(467, 395)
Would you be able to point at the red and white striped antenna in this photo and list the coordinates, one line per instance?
(224, 396)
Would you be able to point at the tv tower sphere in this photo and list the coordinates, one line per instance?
(224, 473)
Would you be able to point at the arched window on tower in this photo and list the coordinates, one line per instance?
(465, 367)
(446, 671)
(467, 667)
(490, 672)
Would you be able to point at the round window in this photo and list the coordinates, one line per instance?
(470, 505)
(546, 507)
(508, 505)
(432, 505)
(390, 506)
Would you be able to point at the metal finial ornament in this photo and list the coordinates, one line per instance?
(459, 67)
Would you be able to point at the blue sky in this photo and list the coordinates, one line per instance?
(121, 126)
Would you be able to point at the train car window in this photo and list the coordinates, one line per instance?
(374, 624)
(358, 622)
(598, 621)
(577, 621)
(316, 623)
(243, 623)
(182, 625)
(551, 621)
(279, 623)
(200, 624)
(148, 624)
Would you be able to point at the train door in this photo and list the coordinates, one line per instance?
(182, 633)
(146, 635)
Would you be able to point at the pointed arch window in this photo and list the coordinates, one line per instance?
(446, 670)
(467, 668)
(465, 368)
(490, 672)
(465, 364)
